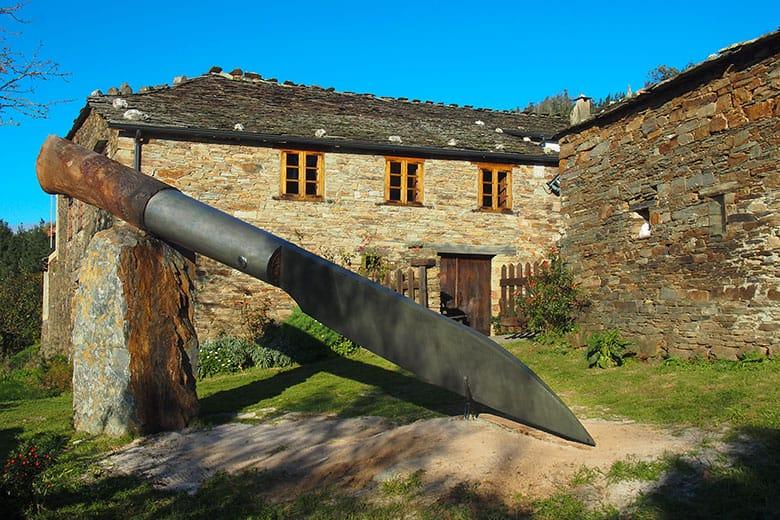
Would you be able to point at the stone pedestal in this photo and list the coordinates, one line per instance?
(133, 336)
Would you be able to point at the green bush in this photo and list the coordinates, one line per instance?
(57, 374)
(21, 478)
(265, 357)
(300, 339)
(223, 355)
(606, 349)
(26, 358)
(26, 376)
(552, 301)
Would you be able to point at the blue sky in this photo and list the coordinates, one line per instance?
(491, 54)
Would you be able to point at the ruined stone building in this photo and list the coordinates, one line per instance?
(672, 208)
(356, 178)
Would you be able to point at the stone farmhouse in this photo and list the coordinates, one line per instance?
(669, 211)
(672, 207)
(356, 178)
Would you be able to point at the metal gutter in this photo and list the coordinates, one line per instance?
(325, 145)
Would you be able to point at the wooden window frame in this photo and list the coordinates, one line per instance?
(301, 195)
(405, 161)
(495, 169)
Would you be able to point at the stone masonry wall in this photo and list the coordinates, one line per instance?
(75, 225)
(244, 181)
(703, 167)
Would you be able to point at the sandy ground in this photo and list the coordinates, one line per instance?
(307, 452)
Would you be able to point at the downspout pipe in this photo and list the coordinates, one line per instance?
(137, 155)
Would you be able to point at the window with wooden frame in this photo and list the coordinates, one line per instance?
(302, 175)
(404, 181)
(495, 187)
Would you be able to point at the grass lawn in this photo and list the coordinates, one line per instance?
(363, 384)
(703, 394)
(743, 399)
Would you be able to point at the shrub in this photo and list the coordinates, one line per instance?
(265, 357)
(57, 374)
(300, 339)
(25, 358)
(606, 349)
(223, 355)
(21, 474)
(552, 301)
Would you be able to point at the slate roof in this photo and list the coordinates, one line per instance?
(744, 53)
(248, 104)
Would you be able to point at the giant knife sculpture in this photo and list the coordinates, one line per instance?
(436, 349)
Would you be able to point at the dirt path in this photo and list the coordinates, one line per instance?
(307, 452)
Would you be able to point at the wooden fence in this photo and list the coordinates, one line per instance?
(411, 282)
(514, 283)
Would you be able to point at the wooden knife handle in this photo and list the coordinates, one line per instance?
(69, 169)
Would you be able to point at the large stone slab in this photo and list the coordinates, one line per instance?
(133, 336)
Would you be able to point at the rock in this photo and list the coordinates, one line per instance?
(133, 336)
(718, 123)
(135, 115)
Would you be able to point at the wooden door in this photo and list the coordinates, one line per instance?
(465, 289)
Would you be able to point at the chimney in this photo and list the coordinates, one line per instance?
(581, 110)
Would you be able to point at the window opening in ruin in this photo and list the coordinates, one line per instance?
(302, 175)
(641, 227)
(404, 180)
(718, 215)
(495, 187)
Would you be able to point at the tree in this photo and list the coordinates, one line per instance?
(21, 285)
(561, 105)
(556, 105)
(660, 73)
(605, 102)
(19, 73)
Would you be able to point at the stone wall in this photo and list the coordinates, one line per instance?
(244, 181)
(702, 167)
(76, 223)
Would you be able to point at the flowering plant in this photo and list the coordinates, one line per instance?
(21, 473)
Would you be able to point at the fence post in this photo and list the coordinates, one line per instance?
(514, 282)
(422, 265)
(504, 301)
(422, 274)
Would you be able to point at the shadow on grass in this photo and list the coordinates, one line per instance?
(395, 384)
(247, 496)
(237, 398)
(744, 483)
(9, 440)
(412, 396)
